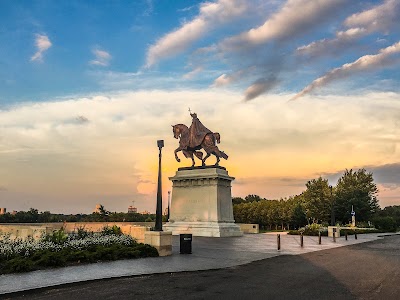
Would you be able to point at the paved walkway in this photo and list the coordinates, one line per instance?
(208, 253)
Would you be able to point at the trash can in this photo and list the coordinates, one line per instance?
(186, 244)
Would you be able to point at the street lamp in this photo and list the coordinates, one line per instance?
(332, 208)
(158, 227)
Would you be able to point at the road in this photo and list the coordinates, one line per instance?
(364, 271)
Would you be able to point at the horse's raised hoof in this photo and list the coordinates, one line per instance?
(178, 160)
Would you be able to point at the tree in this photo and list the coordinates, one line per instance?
(237, 200)
(253, 198)
(318, 200)
(299, 218)
(357, 189)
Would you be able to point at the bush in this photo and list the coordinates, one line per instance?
(311, 230)
(111, 230)
(351, 231)
(22, 256)
(385, 223)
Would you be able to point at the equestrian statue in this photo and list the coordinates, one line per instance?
(195, 138)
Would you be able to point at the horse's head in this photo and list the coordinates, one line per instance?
(176, 131)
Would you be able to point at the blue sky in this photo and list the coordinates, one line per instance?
(86, 87)
(128, 31)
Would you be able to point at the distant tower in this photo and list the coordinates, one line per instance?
(3, 210)
(132, 209)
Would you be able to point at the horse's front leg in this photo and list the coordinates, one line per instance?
(176, 155)
(204, 159)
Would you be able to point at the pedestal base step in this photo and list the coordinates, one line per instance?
(209, 229)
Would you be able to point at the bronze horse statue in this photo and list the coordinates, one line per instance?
(206, 141)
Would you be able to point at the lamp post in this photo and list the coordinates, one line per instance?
(158, 227)
(332, 208)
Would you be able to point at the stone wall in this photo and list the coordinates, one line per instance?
(135, 229)
(249, 228)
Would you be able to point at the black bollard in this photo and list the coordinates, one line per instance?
(345, 235)
(319, 237)
(355, 235)
(301, 240)
(278, 240)
(334, 235)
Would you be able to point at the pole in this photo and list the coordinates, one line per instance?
(158, 226)
(301, 240)
(319, 237)
(169, 200)
(278, 239)
(332, 208)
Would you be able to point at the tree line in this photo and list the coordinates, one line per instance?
(34, 216)
(319, 203)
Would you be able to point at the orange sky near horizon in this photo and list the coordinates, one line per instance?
(51, 160)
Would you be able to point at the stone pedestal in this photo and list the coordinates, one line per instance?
(161, 240)
(201, 203)
(334, 229)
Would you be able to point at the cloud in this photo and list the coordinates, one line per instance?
(364, 63)
(193, 73)
(82, 119)
(42, 43)
(286, 23)
(386, 174)
(102, 58)
(86, 163)
(342, 41)
(259, 87)
(379, 18)
(255, 52)
(211, 14)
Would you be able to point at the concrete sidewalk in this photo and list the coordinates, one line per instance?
(208, 253)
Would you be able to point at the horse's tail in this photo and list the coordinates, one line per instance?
(223, 155)
(217, 137)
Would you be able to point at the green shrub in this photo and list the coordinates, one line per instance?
(57, 237)
(111, 230)
(351, 231)
(34, 255)
(81, 232)
(17, 265)
(311, 230)
(51, 259)
(385, 223)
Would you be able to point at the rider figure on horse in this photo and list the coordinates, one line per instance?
(197, 132)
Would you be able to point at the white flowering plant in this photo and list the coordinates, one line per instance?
(60, 249)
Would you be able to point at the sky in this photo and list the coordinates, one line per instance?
(297, 89)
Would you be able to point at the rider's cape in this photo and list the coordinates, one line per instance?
(197, 132)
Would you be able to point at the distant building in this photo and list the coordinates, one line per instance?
(132, 210)
(3, 210)
(14, 212)
(145, 212)
(97, 209)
